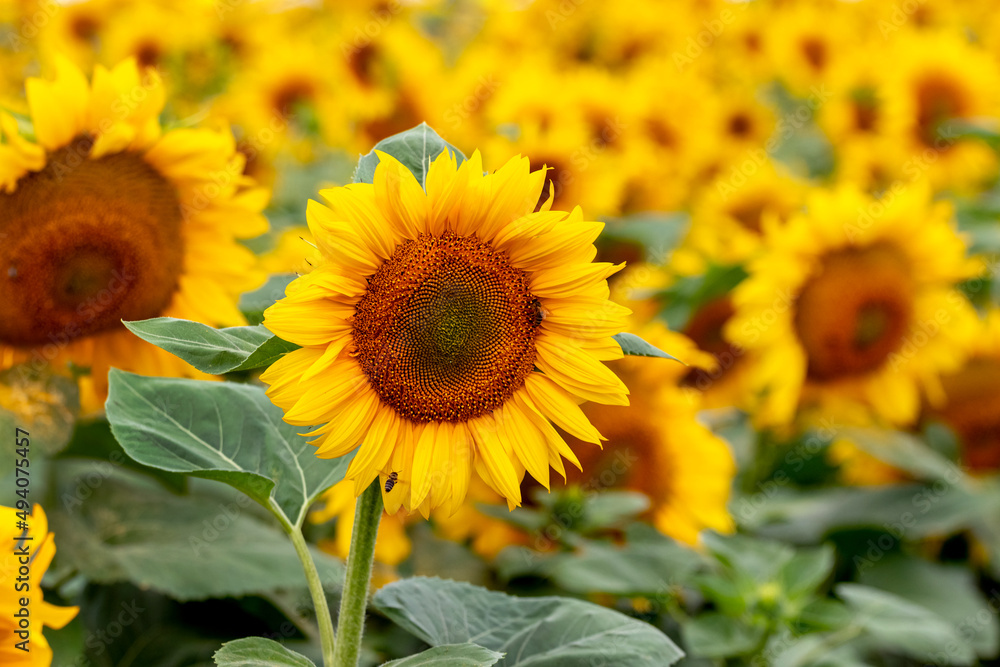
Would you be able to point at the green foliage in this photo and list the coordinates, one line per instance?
(541, 632)
(223, 431)
(687, 294)
(415, 148)
(450, 655)
(259, 652)
(210, 350)
(208, 543)
(633, 346)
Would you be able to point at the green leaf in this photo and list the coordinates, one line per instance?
(807, 569)
(259, 652)
(211, 350)
(220, 430)
(905, 627)
(213, 542)
(717, 636)
(760, 559)
(609, 509)
(253, 304)
(450, 655)
(533, 632)
(906, 511)
(652, 569)
(687, 294)
(415, 148)
(950, 591)
(905, 452)
(634, 346)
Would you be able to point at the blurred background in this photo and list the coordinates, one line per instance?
(806, 196)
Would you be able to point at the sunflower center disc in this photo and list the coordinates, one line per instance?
(855, 312)
(446, 330)
(87, 243)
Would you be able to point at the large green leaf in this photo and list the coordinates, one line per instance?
(211, 350)
(259, 652)
(904, 626)
(650, 567)
(213, 542)
(450, 655)
(950, 591)
(416, 148)
(220, 430)
(714, 635)
(535, 632)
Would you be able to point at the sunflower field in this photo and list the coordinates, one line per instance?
(461, 333)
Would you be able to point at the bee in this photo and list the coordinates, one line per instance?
(391, 481)
(537, 314)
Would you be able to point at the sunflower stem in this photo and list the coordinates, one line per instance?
(323, 619)
(351, 622)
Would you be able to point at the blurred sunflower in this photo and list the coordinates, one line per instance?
(658, 447)
(971, 406)
(110, 219)
(42, 547)
(444, 329)
(731, 215)
(854, 303)
(940, 78)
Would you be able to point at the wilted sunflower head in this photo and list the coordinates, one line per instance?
(444, 328)
(106, 218)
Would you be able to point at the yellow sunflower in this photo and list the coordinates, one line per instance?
(730, 216)
(444, 329)
(41, 548)
(971, 406)
(853, 304)
(658, 447)
(108, 218)
(941, 78)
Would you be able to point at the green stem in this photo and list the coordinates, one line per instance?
(351, 622)
(323, 618)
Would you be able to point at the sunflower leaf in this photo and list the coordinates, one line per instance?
(220, 430)
(450, 655)
(905, 626)
(209, 543)
(541, 632)
(633, 346)
(211, 350)
(258, 652)
(415, 148)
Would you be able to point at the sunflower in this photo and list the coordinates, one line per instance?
(444, 329)
(108, 218)
(853, 304)
(729, 217)
(941, 78)
(658, 447)
(971, 405)
(42, 547)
